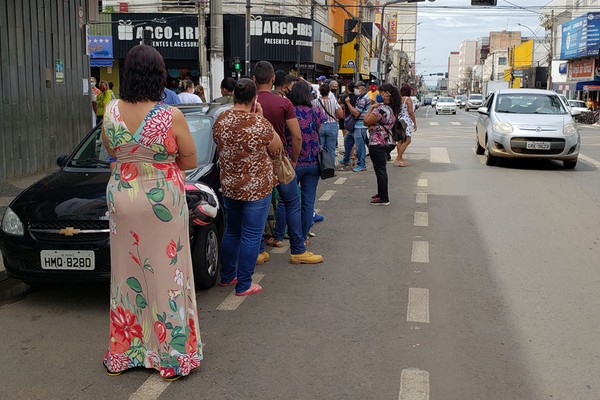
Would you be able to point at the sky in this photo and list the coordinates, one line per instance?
(444, 24)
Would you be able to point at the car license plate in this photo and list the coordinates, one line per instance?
(538, 145)
(68, 259)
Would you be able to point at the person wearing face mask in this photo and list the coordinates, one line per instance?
(288, 83)
(363, 102)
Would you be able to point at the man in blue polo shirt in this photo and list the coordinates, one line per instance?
(363, 102)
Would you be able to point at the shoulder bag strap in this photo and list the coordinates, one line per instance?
(325, 109)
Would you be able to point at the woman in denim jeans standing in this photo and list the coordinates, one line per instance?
(329, 130)
(244, 139)
(310, 119)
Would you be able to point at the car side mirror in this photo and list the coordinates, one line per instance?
(62, 160)
(483, 110)
(575, 112)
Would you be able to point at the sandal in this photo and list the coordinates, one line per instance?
(254, 288)
(274, 242)
(225, 284)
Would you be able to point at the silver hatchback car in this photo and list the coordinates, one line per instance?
(526, 123)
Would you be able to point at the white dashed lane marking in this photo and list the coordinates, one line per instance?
(418, 305)
(455, 123)
(439, 155)
(414, 384)
(589, 160)
(421, 218)
(422, 183)
(434, 123)
(232, 302)
(327, 195)
(421, 198)
(340, 181)
(151, 389)
(420, 252)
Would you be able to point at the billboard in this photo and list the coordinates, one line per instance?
(581, 36)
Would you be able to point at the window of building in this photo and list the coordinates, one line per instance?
(501, 60)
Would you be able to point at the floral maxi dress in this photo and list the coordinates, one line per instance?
(153, 313)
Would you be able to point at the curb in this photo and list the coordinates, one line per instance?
(10, 287)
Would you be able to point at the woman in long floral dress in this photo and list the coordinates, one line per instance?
(153, 313)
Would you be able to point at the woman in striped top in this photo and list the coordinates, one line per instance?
(329, 130)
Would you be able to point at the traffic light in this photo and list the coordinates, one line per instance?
(484, 2)
(237, 64)
(349, 25)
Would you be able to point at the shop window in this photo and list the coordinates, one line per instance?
(501, 60)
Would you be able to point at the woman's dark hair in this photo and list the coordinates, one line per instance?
(300, 94)
(350, 87)
(395, 100)
(144, 75)
(244, 91)
(324, 89)
(406, 90)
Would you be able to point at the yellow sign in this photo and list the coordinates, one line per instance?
(348, 58)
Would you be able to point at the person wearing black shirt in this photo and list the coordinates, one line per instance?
(348, 134)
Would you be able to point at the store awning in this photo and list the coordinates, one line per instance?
(101, 62)
(589, 85)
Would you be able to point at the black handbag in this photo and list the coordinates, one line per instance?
(326, 164)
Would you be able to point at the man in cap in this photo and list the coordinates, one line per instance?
(363, 102)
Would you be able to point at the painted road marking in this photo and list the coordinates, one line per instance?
(327, 195)
(232, 302)
(340, 181)
(418, 305)
(434, 123)
(420, 252)
(439, 155)
(414, 384)
(589, 160)
(151, 389)
(421, 218)
(455, 123)
(421, 198)
(422, 183)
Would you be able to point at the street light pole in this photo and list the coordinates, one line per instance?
(381, 29)
(550, 49)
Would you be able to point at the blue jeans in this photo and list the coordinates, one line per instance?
(308, 179)
(360, 139)
(328, 137)
(245, 222)
(348, 143)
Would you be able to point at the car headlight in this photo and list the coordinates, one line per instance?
(503, 127)
(11, 223)
(570, 129)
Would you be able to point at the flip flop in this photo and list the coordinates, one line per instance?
(254, 288)
(274, 242)
(225, 284)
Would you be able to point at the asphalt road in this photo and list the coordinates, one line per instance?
(475, 283)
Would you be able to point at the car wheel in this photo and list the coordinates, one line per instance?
(436, 113)
(205, 256)
(467, 109)
(454, 113)
(478, 149)
(569, 164)
(490, 159)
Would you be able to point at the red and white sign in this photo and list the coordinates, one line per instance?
(123, 7)
(582, 69)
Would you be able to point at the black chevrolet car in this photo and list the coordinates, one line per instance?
(57, 229)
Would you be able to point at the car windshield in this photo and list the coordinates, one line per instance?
(201, 129)
(476, 97)
(445, 100)
(92, 153)
(577, 103)
(529, 103)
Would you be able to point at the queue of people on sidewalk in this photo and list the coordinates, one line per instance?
(273, 115)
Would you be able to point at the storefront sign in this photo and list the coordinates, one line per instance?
(582, 69)
(100, 46)
(59, 71)
(581, 36)
(175, 36)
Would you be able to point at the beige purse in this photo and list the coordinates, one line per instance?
(283, 168)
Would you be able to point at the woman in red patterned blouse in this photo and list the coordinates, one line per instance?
(245, 140)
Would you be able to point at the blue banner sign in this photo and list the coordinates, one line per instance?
(100, 46)
(581, 36)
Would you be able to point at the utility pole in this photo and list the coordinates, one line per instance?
(550, 52)
(248, 44)
(202, 62)
(217, 63)
(358, 43)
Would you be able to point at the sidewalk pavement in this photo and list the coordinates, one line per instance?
(9, 189)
